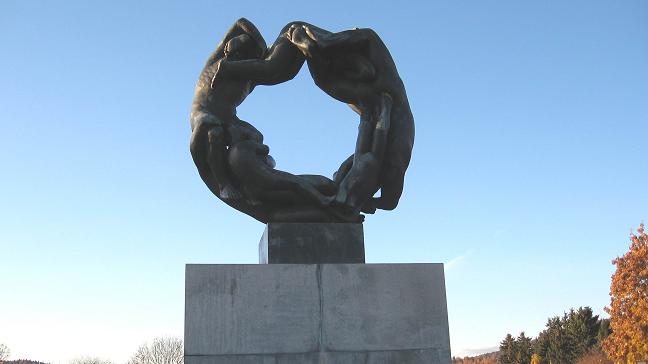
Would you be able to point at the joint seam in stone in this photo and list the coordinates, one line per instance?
(320, 289)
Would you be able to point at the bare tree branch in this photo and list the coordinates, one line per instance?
(161, 351)
(4, 352)
(90, 360)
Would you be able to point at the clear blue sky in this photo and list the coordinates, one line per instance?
(529, 167)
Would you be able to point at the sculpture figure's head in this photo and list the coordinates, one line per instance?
(243, 47)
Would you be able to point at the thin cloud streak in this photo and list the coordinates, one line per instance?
(477, 352)
(455, 262)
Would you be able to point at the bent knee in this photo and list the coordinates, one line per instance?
(387, 203)
(391, 191)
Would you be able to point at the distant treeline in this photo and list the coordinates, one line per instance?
(21, 361)
(490, 358)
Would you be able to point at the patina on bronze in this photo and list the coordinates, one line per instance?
(352, 66)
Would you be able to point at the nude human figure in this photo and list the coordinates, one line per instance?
(354, 67)
(213, 112)
(359, 177)
(229, 153)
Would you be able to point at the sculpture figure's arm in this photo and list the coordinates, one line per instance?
(378, 146)
(365, 133)
(282, 63)
(381, 130)
(242, 26)
(373, 129)
(348, 38)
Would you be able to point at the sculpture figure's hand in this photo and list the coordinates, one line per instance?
(236, 44)
(298, 35)
(317, 35)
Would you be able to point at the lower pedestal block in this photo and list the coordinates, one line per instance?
(316, 313)
(427, 356)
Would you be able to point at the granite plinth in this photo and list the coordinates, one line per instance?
(423, 356)
(316, 313)
(312, 243)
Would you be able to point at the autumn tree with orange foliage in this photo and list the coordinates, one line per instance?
(628, 310)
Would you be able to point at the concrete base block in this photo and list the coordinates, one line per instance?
(427, 356)
(316, 313)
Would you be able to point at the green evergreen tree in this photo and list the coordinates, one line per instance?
(522, 349)
(564, 340)
(506, 350)
(582, 327)
(554, 344)
(540, 346)
(604, 331)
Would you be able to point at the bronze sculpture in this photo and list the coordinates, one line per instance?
(352, 66)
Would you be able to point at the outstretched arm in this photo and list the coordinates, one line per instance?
(373, 129)
(348, 38)
(242, 26)
(379, 142)
(282, 63)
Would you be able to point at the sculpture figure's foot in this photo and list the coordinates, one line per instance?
(369, 207)
(341, 207)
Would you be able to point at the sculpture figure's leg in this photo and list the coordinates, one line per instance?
(361, 182)
(208, 150)
(399, 153)
(345, 167)
(217, 159)
(284, 182)
(391, 188)
(349, 171)
(321, 183)
(199, 147)
(365, 134)
(372, 134)
(247, 161)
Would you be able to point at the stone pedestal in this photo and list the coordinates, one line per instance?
(312, 243)
(316, 313)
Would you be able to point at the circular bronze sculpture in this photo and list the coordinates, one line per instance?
(352, 66)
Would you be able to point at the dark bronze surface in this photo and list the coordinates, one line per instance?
(354, 67)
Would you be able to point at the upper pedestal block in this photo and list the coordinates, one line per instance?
(312, 243)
